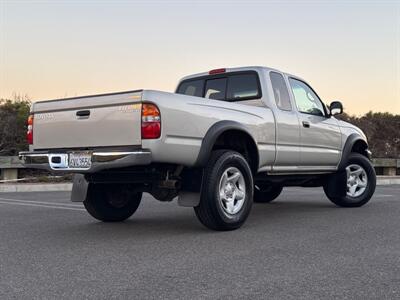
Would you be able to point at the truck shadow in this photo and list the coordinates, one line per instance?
(177, 221)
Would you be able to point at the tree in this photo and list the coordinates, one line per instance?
(382, 131)
(13, 116)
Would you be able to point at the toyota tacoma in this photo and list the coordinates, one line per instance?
(225, 138)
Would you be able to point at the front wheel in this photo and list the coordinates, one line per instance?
(111, 202)
(227, 191)
(357, 184)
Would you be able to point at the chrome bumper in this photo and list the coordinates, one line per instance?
(100, 160)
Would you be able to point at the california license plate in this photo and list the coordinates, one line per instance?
(80, 160)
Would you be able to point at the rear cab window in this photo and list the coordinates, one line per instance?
(216, 89)
(191, 88)
(233, 86)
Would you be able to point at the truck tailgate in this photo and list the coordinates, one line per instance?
(90, 121)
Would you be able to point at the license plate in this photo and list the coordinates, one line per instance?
(80, 160)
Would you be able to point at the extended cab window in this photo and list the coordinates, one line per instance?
(191, 88)
(281, 92)
(306, 100)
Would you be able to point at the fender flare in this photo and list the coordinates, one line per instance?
(212, 135)
(351, 140)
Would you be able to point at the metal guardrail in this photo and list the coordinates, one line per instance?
(9, 166)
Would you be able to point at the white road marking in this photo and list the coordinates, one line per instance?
(41, 202)
(39, 205)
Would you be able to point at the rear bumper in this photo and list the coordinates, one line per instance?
(100, 160)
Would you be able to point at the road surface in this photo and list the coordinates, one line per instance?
(300, 246)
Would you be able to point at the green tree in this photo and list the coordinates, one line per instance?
(382, 131)
(13, 116)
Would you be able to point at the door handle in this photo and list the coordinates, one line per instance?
(306, 124)
(83, 114)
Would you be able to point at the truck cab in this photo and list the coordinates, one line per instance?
(307, 137)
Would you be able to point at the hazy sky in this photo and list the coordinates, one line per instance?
(347, 50)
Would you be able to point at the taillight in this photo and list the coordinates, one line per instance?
(29, 133)
(151, 121)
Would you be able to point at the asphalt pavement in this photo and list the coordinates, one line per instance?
(299, 247)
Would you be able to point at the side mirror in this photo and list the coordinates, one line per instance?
(336, 108)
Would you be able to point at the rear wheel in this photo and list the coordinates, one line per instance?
(227, 191)
(357, 184)
(265, 193)
(111, 202)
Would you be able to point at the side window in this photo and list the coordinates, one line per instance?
(242, 86)
(191, 88)
(215, 89)
(306, 100)
(281, 92)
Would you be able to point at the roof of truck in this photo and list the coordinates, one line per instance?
(237, 69)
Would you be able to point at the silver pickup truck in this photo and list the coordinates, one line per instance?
(224, 138)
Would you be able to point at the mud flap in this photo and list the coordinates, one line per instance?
(336, 185)
(79, 188)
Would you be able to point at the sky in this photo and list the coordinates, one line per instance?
(346, 50)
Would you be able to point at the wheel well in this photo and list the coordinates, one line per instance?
(241, 142)
(360, 146)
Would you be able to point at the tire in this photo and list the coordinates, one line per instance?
(111, 202)
(264, 193)
(228, 172)
(355, 186)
